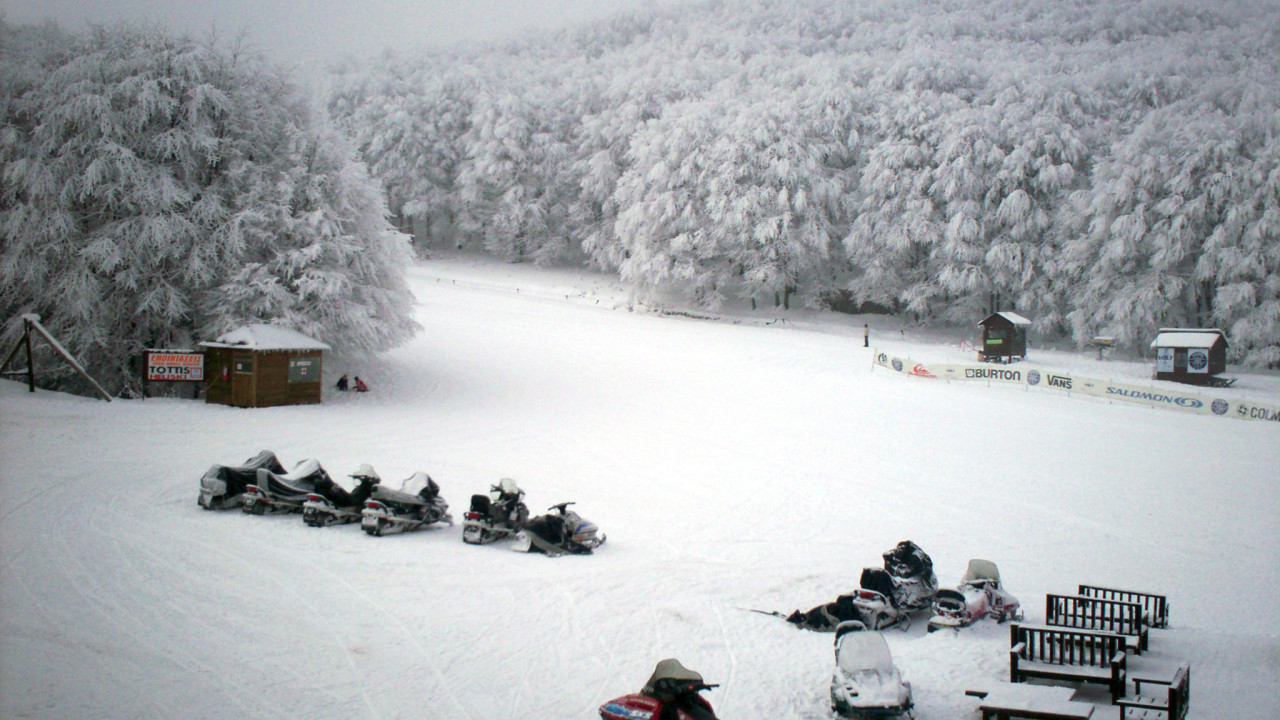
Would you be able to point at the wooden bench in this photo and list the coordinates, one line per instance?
(1149, 707)
(1037, 702)
(1089, 613)
(1057, 653)
(1156, 607)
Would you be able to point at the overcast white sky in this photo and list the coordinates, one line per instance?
(310, 31)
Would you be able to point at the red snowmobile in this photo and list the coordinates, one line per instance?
(670, 694)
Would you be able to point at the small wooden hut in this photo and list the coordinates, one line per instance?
(1004, 337)
(263, 366)
(1190, 355)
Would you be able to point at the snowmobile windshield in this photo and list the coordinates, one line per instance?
(670, 669)
(365, 471)
(507, 486)
(860, 651)
(980, 570)
(416, 483)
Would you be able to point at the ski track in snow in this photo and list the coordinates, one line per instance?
(733, 464)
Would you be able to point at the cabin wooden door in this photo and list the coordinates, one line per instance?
(242, 380)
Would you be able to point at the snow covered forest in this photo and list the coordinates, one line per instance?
(1101, 166)
(160, 190)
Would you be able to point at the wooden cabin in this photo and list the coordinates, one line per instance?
(1004, 337)
(263, 366)
(1190, 355)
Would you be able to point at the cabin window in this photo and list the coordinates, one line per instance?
(303, 370)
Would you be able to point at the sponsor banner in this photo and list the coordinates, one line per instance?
(175, 367)
(1052, 379)
(902, 365)
(1164, 359)
(980, 372)
(1149, 396)
(1252, 411)
(1198, 360)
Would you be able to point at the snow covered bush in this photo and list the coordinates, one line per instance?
(159, 190)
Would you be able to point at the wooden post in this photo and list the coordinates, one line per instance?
(32, 322)
(31, 358)
(24, 343)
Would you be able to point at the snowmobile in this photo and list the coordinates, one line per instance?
(870, 607)
(866, 683)
(416, 504)
(222, 486)
(559, 531)
(884, 598)
(494, 516)
(333, 504)
(979, 595)
(273, 492)
(670, 694)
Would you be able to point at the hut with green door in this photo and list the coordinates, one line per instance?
(1004, 337)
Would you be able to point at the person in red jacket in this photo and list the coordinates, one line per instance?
(360, 386)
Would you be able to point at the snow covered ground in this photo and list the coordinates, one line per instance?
(734, 463)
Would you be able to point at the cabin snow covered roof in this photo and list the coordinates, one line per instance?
(266, 337)
(1012, 317)
(1191, 338)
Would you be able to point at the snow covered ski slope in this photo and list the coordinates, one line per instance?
(732, 465)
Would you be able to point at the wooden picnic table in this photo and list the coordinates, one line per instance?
(1002, 701)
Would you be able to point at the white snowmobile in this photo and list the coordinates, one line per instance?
(979, 595)
(866, 683)
(494, 516)
(222, 486)
(274, 492)
(559, 531)
(417, 504)
(332, 504)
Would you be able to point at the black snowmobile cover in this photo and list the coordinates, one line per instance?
(550, 528)
(826, 617)
(430, 491)
(336, 494)
(304, 478)
(237, 476)
(877, 580)
(907, 560)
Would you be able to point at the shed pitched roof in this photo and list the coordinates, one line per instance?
(1012, 317)
(266, 337)
(1188, 338)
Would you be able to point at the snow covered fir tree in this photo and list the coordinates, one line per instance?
(159, 190)
(1101, 167)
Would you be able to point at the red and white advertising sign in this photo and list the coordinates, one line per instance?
(175, 366)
